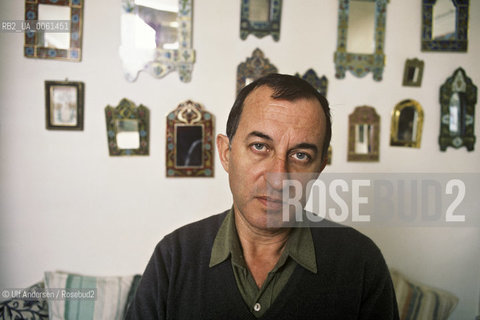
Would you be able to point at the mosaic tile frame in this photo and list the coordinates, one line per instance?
(74, 53)
(360, 64)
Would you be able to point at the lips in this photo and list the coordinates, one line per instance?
(270, 203)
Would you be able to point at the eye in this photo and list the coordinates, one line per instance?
(259, 147)
(302, 156)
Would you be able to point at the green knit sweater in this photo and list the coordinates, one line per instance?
(352, 281)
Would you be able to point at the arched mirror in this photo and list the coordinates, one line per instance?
(445, 25)
(363, 134)
(156, 37)
(63, 17)
(458, 96)
(190, 141)
(260, 18)
(255, 67)
(360, 38)
(127, 129)
(407, 124)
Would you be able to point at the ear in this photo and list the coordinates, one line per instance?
(223, 147)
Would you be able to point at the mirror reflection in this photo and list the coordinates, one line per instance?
(363, 134)
(60, 40)
(407, 124)
(128, 136)
(455, 109)
(259, 10)
(189, 146)
(361, 27)
(444, 20)
(156, 38)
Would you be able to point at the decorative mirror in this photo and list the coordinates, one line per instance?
(127, 129)
(255, 67)
(407, 123)
(321, 84)
(260, 18)
(445, 25)
(458, 96)
(156, 37)
(363, 134)
(64, 105)
(63, 17)
(360, 38)
(413, 73)
(190, 141)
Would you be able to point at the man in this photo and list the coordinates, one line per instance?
(235, 265)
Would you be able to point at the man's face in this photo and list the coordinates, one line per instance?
(274, 138)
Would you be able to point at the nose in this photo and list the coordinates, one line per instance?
(276, 173)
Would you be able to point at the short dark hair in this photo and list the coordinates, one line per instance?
(284, 87)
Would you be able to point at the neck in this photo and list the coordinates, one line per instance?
(258, 242)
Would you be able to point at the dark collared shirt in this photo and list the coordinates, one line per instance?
(299, 249)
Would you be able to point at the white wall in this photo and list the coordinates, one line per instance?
(65, 204)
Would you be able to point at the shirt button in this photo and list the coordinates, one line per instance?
(257, 307)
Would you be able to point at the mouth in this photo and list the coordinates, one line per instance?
(273, 204)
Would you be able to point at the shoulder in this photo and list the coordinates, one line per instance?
(331, 237)
(196, 236)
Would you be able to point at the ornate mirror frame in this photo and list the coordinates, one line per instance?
(167, 60)
(460, 42)
(321, 84)
(360, 64)
(127, 110)
(190, 114)
(413, 73)
(253, 68)
(463, 86)
(74, 52)
(416, 126)
(364, 115)
(261, 29)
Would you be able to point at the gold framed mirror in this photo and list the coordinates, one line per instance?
(363, 134)
(156, 37)
(127, 129)
(58, 16)
(407, 124)
(190, 141)
(413, 73)
(360, 38)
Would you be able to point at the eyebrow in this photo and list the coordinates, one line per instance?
(303, 145)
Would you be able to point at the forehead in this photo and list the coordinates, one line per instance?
(261, 109)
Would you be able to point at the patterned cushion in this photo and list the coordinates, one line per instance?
(30, 309)
(418, 301)
(109, 303)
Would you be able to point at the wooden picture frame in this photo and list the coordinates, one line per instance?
(64, 109)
